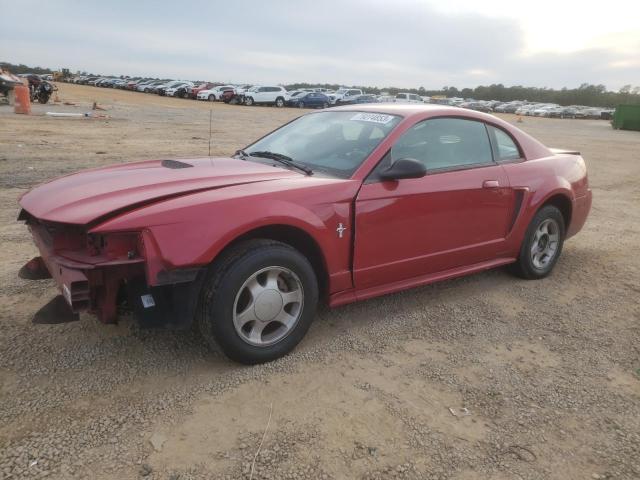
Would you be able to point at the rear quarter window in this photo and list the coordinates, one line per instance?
(506, 148)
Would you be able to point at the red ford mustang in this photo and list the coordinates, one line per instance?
(340, 205)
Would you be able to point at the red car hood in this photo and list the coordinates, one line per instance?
(84, 197)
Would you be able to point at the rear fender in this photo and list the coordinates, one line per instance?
(532, 202)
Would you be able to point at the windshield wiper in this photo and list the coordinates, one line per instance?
(279, 157)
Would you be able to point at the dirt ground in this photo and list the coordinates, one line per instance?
(485, 377)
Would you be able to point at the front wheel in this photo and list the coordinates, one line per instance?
(212, 98)
(300, 105)
(248, 101)
(542, 244)
(325, 105)
(258, 301)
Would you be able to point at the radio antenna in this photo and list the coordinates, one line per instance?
(210, 117)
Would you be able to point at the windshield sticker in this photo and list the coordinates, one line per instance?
(373, 117)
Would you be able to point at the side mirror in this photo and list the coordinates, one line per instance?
(404, 168)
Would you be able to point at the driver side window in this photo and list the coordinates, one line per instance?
(445, 143)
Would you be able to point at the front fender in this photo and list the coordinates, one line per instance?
(192, 230)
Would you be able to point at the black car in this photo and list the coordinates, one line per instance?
(309, 99)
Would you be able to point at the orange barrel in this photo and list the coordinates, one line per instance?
(23, 104)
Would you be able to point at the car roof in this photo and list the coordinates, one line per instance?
(415, 110)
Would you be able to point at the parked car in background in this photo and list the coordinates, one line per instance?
(132, 84)
(295, 93)
(526, 109)
(561, 112)
(151, 86)
(161, 90)
(118, 83)
(215, 93)
(344, 95)
(408, 98)
(360, 99)
(83, 79)
(589, 113)
(607, 113)
(309, 100)
(542, 110)
(180, 90)
(266, 95)
(479, 106)
(330, 207)
(235, 96)
(509, 107)
(193, 92)
(229, 96)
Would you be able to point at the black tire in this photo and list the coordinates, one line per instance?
(300, 104)
(526, 266)
(248, 101)
(225, 280)
(325, 105)
(279, 102)
(212, 98)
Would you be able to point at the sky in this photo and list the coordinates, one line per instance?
(403, 43)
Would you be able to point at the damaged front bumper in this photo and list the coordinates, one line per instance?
(108, 280)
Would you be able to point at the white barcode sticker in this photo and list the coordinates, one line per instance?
(373, 117)
(147, 301)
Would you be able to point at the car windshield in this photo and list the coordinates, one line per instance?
(335, 143)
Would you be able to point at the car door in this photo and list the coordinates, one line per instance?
(273, 93)
(314, 99)
(260, 95)
(457, 215)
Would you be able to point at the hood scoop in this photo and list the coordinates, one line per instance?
(174, 164)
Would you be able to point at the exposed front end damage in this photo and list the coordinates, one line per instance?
(107, 275)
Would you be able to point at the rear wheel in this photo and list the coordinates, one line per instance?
(212, 98)
(258, 301)
(279, 102)
(325, 105)
(542, 244)
(300, 104)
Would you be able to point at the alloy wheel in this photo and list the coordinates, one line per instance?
(544, 246)
(268, 306)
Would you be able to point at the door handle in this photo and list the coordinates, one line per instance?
(490, 184)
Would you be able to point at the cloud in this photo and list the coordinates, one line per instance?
(400, 43)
